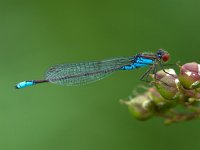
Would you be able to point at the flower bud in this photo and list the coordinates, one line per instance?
(161, 103)
(190, 75)
(167, 84)
(192, 95)
(141, 107)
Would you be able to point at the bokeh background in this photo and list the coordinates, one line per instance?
(35, 35)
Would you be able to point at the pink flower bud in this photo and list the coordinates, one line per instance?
(161, 103)
(166, 84)
(141, 107)
(190, 75)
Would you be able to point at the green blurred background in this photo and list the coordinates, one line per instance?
(35, 35)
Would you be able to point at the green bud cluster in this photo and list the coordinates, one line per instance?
(169, 92)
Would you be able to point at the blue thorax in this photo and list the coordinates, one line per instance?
(139, 62)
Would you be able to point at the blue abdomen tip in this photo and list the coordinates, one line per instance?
(24, 84)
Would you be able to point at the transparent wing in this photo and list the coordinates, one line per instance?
(85, 72)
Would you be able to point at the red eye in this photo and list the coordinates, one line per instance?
(165, 57)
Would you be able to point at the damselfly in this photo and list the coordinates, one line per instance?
(87, 72)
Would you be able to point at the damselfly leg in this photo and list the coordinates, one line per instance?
(154, 68)
(145, 76)
(161, 65)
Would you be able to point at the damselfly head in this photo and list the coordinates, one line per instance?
(164, 55)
